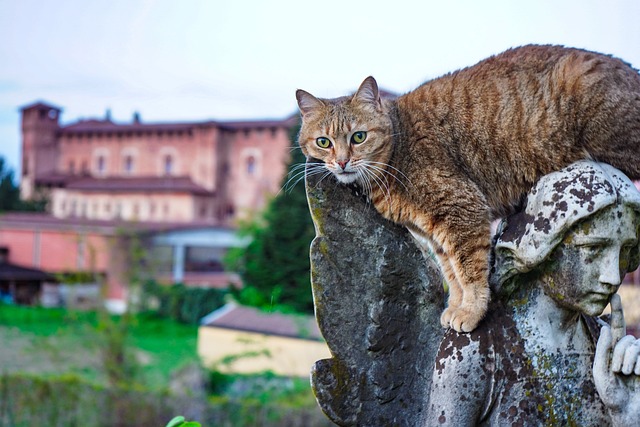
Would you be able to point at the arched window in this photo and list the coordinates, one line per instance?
(101, 165)
(168, 164)
(251, 165)
(128, 164)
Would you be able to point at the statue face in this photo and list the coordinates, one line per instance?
(587, 268)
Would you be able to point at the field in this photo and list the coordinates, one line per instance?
(54, 358)
(54, 341)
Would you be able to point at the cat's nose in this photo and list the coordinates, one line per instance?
(342, 163)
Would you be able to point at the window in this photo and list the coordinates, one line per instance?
(168, 165)
(203, 259)
(128, 164)
(72, 167)
(251, 165)
(101, 165)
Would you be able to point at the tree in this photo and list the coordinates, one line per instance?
(9, 192)
(275, 266)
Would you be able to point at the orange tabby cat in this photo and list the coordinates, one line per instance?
(461, 150)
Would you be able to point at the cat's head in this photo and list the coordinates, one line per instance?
(352, 135)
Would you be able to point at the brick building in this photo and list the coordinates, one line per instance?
(168, 172)
(180, 187)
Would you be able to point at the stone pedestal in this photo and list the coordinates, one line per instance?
(378, 303)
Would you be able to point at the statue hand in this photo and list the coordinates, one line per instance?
(616, 369)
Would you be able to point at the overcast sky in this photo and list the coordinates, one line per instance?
(239, 59)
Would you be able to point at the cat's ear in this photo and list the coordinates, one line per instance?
(307, 102)
(368, 93)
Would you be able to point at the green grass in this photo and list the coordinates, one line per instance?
(58, 351)
(52, 340)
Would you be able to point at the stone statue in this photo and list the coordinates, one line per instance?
(557, 264)
(378, 306)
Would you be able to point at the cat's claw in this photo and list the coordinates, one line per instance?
(462, 319)
(445, 318)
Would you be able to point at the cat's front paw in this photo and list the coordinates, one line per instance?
(463, 318)
(445, 317)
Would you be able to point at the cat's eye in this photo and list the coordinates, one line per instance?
(323, 142)
(358, 137)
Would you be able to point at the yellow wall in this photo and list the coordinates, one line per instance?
(247, 352)
(630, 296)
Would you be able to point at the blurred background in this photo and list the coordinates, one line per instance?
(153, 240)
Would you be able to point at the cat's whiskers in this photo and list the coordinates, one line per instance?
(298, 173)
(380, 181)
(362, 179)
(383, 170)
(387, 165)
(328, 173)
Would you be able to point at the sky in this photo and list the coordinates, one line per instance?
(196, 60)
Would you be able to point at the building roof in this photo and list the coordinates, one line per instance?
(32, 221)
(249, 319)
(94, 125)
(55, 179)
(16, 272)
(147, 184)
(258, 124)
(106, 125)
(40, 105)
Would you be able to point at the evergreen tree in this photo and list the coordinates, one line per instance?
(275, 265)
(9, 192)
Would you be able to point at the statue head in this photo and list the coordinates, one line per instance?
(577, 233)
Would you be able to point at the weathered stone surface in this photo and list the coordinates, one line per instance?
(529, 362)
(378, 303)
(558, 263)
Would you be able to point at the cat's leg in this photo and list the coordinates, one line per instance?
(462, 243)
(469, 259)
(454, 288)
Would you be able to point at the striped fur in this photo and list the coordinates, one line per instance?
(463, 149)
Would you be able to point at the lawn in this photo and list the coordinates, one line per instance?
(48, 344)
(54, 341)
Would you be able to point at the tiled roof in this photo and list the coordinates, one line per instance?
(258, 124)
(119, 184)
(10, 271)
(95, 125)
(40, 105)
(250, 319)
(30, 220)
(55, 179)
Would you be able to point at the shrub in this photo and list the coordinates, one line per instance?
(183, 303)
